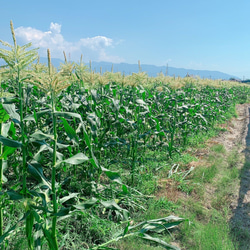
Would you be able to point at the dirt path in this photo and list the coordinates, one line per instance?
(240, 221)
(236, 129)
(238, 137)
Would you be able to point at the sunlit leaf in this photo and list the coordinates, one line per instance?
(71, 133)
(87, 204)
(76, 159)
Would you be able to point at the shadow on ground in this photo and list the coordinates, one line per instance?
(240, 222)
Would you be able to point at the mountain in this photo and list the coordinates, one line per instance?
(151, 70)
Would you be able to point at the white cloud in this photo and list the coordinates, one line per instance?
(55, 27)
(96, 43)
(92, 48)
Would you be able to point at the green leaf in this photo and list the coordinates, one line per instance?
(68, 197)
(6, 234)
(170, 219)
(41, 113)
(111, 205)
(3, 114)
(35, 117)
(48, 236)
(124, 189)
(4, 179)
(68, 114)
(87, 204)
(12, 131)
(114, 176)
(43, 148)
(126, 229)
(75, 160)
(157, 225)
(93, 119)
(159, 241)
(114, 206)
(14, 195)
(36, 171)
(60, 145)
(62, 212)
(71, 114)
(5, 129)
(202, 117)
(7, 151)
(94, 162)
(11, 110)
(140, 101)
(39, 135)
(10, 143)
(104, 248)
(29, 118)
(71, 133)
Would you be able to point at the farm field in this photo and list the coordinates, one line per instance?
(106, 161)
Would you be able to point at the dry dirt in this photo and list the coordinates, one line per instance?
(237, 130)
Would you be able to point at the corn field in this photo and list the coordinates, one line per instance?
(74, 142)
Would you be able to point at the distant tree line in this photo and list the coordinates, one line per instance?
(238, 80)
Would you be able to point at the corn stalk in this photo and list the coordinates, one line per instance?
(17, 59)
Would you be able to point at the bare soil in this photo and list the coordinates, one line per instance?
(237, 130)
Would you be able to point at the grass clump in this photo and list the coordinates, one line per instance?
(210, 228)
(214, 235)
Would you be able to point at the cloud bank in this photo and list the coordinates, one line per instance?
(92, 48)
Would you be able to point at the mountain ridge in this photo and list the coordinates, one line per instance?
(151, 70)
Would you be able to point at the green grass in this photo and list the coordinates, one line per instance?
(84, 230)
(158, 208)
(210, 228)
(218, 148)
(205, 174)
(134, 243)
(213, 235)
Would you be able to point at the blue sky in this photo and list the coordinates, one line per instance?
(194, 34)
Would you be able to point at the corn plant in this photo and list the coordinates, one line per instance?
(17, 59)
